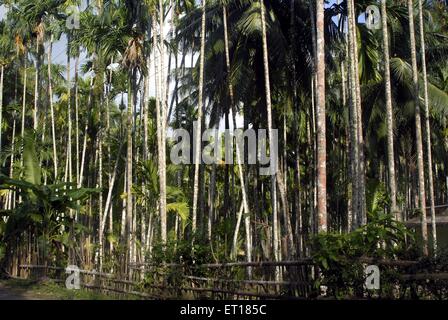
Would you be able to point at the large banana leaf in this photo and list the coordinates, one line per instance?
(32, 166)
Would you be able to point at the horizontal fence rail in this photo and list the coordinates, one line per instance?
(300, 262)
(221, 281)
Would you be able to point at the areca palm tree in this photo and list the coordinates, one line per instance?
(427, 126)
(358, 139)
(162, 123)
(270, 130)
(133, 61)
(390, 120)
(232, 108)
(321, 127)
(418, 128)
(198, 138)
(40, 16)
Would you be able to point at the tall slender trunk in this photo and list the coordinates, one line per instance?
(129, 169)
(198, 138)
(353, 118)
(77, 120)
(427, 127)
(25, 77)
(22, 131)
(11, 194)
(418, 128)
(362, 218)
(86, 132)
(69, 163)
(163, 112)
(107, 207)
(36, 85)
(245, 203)
(297, 179)
(50, 95)
(158, 84)
(312, 126)
(321, 126)
(346, 86)
(389, 114)
(234, 249)
(211, 210)
(100, 196)
(146, 106)
(69, 114)
(359, 203)
(276, 240)
(146, 208)
(123, 212)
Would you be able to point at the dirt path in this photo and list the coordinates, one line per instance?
(8, 292)
(23, 289)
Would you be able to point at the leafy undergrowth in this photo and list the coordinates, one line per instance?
(49, 290)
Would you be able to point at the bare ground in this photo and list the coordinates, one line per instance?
(10, 291)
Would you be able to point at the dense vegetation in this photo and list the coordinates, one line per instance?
(86, 176)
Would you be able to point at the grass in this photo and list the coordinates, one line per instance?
(50, 290)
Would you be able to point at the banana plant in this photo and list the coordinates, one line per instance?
(43, 208)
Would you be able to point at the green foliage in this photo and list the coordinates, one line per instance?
(44, 208)
(337, 255)
(32, 167)
(180, 208)
(435, 288)
(377, 198)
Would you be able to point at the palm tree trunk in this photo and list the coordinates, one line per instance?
(321, 126)
(50, 94)
(234, 250)
(146, 112)
(129, 171)
(198, 138)
(359, 203)
(346, 85)
(100, 200)
(123, 212)
(77, 120)
(69, 115)
(428, 128)
(354, 145)
(111, 176)
(107, 207)
(69, 163)
(11, 194)
(158, 84)
(149, 234)
(418, 128)
(36, 86)
(22, 132)
(211, 209)
(25, 76)
(164, 105)
(146, 102)
(362, 167)
(86, 132)
(312, 126)
(389, 114)
(238, 154)
(276, 240)
(297, 179)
